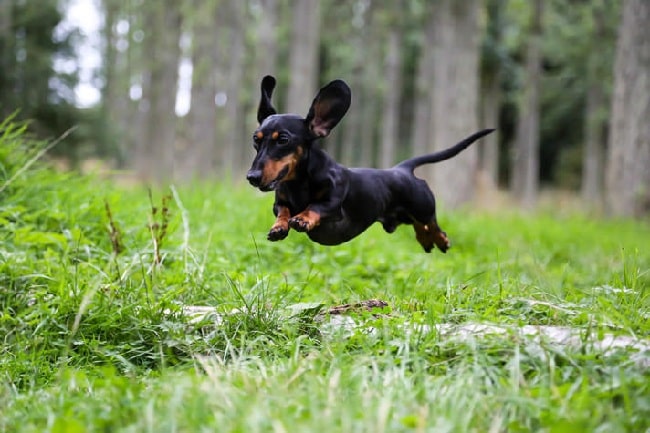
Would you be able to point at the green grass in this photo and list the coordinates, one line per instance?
(94, 341)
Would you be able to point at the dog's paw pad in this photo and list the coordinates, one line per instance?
(277, 234)
(443, 244)
(299, 224)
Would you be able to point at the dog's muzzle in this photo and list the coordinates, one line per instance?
(254, 177)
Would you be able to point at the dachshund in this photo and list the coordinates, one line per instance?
(332, 203)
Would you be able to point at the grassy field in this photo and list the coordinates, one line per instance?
(94, 338)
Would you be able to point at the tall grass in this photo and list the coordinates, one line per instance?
(94, 336)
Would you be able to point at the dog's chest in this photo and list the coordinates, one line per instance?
(338, 230)
(296, 196)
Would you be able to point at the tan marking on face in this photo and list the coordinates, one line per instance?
(273, 167)
(275, 135)
(259, 134)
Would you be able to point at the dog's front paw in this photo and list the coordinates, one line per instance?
(277, 233)
(299, 224)
(305, 221)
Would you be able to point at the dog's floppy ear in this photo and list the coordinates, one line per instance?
(265, 108)
(328, 108)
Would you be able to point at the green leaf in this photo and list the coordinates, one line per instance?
(27, 236)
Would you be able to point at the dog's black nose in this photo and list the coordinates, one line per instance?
(254, 177)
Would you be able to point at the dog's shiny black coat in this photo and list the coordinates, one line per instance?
(333, 203)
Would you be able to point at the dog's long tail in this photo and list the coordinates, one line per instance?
(411, 164)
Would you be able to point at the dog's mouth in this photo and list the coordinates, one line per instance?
(271, 186)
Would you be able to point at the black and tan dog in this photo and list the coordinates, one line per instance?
(332, 203)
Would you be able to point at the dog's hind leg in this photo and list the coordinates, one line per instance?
(423, 236)
(419, 204)
(431, 234)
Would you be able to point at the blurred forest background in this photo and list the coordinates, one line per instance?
(566, 82)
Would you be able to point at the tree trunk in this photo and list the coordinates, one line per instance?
(221, 41)
(593, 154)
(491, 93)
(594, 140)
(303, 55)
(628, 173)
(490, 106)
(234, 156)
(525, 162)
(422, 98)
(156, 151)
(128, 105)
(263, 50)
(368, 95)
(454, 106)
(351, 132)
(142, 148)
(7, 58)
(266, 59)
(113, 91)
(594, 148)
(349, 154)
(391, 104)
(199, 158)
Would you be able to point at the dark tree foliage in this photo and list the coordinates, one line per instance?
(39, 71)
(567, 49)
(31, 43)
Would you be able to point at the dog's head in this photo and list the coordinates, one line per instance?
(282, 139)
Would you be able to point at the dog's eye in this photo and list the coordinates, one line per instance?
(256, 141)
(283, 140)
